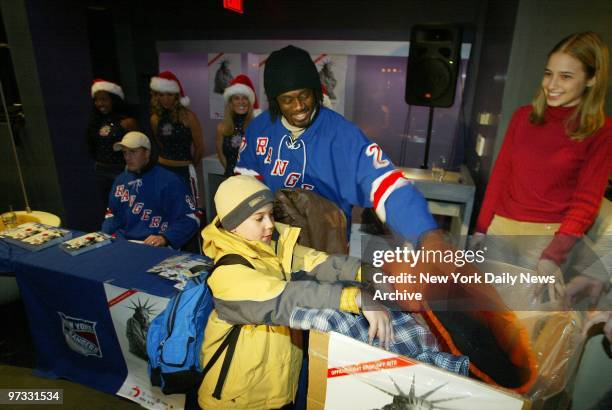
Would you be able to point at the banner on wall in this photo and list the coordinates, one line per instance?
(132, 312)
(332, 73)
(222, 68)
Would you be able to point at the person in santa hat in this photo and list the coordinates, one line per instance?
(241, 106)
(110, 120)
(176, 128)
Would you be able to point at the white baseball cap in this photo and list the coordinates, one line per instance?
(132, 140)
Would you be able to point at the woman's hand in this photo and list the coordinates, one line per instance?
(583, 285)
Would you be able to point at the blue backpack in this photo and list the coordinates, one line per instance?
(175, 337)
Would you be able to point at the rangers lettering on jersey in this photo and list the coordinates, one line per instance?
(268, 159)
(262, 144)
(280, 166)
(146, 214)
(137, 208)
(155, 221)
(292, 179)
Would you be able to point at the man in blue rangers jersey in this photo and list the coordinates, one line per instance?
(148, 202)
(298, 143)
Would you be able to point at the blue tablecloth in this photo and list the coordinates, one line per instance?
(122, 263)
(64, 296)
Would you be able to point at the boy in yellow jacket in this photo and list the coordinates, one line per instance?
(285, 285)
(267, 359)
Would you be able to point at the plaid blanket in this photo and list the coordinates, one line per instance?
(411, 339)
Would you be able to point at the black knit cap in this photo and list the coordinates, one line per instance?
(288, 69)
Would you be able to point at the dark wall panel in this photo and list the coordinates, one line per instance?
(59, 35)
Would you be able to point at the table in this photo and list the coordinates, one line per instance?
(80, 308)
(453, 196)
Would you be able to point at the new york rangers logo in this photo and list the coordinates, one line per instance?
(166, 129)
(105, 131)
(80, 335)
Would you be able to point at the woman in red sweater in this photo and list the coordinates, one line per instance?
(552, 169)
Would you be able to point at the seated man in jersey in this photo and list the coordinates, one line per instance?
(148, 202)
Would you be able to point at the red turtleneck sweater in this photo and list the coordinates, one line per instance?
(541, 175)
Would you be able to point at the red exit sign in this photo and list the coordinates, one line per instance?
(234, 5)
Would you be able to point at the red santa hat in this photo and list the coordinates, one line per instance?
(166, 82)
(242, 84)
(103, 85)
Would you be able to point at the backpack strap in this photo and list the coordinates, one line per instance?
(230, 343)
(232, 259)
(231, 339)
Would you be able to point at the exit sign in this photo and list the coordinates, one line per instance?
(233, 5)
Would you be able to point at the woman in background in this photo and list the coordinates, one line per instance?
(549, 178)
(241, 107)
(110, 120)
(176, 128)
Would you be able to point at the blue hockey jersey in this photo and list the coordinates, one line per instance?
(336, 160)
(155, 202)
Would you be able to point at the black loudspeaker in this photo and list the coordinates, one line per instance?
(433, 65)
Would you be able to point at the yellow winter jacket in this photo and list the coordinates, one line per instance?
(265, 367)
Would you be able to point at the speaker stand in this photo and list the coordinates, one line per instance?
(425, 163)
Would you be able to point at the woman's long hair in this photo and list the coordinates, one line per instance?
(178, 112)
(228, 119)
(589, 116)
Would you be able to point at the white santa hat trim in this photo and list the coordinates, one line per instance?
(163, 85)
(239, 89)
(109, 87)
(327, 102)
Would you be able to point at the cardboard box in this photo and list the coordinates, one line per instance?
(347, 374)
